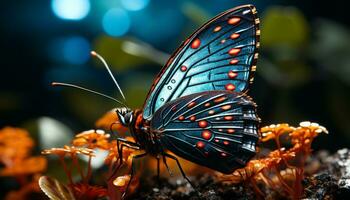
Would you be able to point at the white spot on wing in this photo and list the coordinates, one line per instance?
(246, 12)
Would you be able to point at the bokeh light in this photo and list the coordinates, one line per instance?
(76, 50)
(116, 22)
(71, 9)
(134, 5)
(163, 29)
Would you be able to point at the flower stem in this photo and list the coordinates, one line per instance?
(76, 164)
(88, 175)
(68, 173)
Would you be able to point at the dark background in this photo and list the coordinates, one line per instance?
(303, 73)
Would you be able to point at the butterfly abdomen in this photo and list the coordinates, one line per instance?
(144, 136)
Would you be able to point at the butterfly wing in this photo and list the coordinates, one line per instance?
(217, 129)
(221, 55)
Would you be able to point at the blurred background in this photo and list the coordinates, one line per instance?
(303, 71)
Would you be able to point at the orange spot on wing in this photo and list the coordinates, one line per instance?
(218, 28)
(234, 61)
(230, 130)
(230, 87)
(234, 20)
(228, 118)
(190, 105)
(234, 51)
(234, 36)
(206, 134)
(231, 74)
(196, 43)
(192, 118)
(226, 107)
(203, 124)
(200, 145)
(220, 99)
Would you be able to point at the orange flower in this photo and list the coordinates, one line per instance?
(113, 152)
(252, 169)
(282, 170)
(92, 139)
(121, 183)
(108, 119)
(256, 166)
(273, 131)
(15, 151)
(25, 191)
(15, 145)
(303, 136)
(307, 130)
(70, 150)
(30, 165)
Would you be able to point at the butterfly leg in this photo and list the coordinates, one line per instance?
(181, 170)
(125, 143)
(119, 161)
(166, 165)
(132, 171)
(158, 169)
(121, 139)
(119, 147)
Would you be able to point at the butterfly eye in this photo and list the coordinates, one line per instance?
(128, 117)
(121, 116)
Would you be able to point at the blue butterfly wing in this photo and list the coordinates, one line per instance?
(221, 55)
(216, 129)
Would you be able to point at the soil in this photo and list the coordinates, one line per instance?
(329, 179)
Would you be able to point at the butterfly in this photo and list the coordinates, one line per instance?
(198, 107)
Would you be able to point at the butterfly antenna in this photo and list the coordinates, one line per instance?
(88, 90)
(109, 71)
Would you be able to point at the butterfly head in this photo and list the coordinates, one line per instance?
(125, 115)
